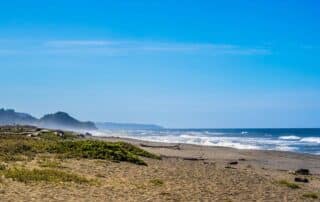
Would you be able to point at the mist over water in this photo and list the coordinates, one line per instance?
(294, 140)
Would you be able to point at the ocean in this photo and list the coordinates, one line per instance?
(294, 140)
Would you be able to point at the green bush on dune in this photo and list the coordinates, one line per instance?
(137, 151)
(94, 149)
(289, 184)
(48, 175)
(310, 195)
(13, 146)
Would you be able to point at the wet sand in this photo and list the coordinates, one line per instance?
(277, 160)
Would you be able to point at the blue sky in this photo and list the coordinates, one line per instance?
(175, 63)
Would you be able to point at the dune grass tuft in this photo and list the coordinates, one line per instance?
(2, 166)
(47, 175)
(14, 147)
(156, 182)
(46, 163)
(94, 149)
(289, 184)
(310, 195)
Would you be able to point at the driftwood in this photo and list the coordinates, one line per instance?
(193, 159)
(229, 167)
(185, 158)
(177, 147)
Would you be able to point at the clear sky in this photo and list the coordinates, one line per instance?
(176, 63)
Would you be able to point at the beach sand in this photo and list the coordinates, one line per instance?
(185, 173)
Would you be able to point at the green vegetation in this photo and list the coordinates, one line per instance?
(49, 164)
(2, 166)
(16, 146)
(18, 143)
(289, 184)
(48, 175)
(310, 195)
(157, 182)
(94, 149)
(137, 151)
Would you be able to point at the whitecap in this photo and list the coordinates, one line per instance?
(285, 148)
(282, 143)
(289, 137)
(311, 140)
(236, 145)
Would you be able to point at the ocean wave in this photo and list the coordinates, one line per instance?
(289, 137)
(285, 148)
(236, 145)
(192, 136)
(208, 141)
(213, 133)
(311, 140)
(227, 139)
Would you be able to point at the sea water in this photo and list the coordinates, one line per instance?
(294, 140)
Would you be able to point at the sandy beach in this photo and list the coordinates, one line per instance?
(276, 160)
(185, 173)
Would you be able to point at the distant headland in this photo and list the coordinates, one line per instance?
(62, 120)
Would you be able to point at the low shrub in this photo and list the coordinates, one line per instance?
(49, 164)
(157, 182)
(94, 149)
(310, 195)
(12, 147)
(2, 166)
(289, 184)
(137, 151)
(48, 175)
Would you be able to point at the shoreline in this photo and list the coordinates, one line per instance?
(54, 165)
(302, 141)
(265, 159)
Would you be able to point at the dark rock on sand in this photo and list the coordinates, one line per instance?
(302, 171)
(233, 163)
(299, 179)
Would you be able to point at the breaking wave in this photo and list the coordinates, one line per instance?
(289, 137)
(311, 140)
(264, 140)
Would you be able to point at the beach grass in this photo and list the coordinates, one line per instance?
(2, 166)
(18, 147)
(156, 182)
(311, 195)
(47, 175)
(46, 163)
(289, 184)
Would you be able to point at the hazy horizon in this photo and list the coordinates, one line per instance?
(229, 64)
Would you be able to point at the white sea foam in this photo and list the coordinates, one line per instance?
(236, 145)
(285, 148)
(282, 143)
(208, 141)
(311, 140)
(289, 137)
